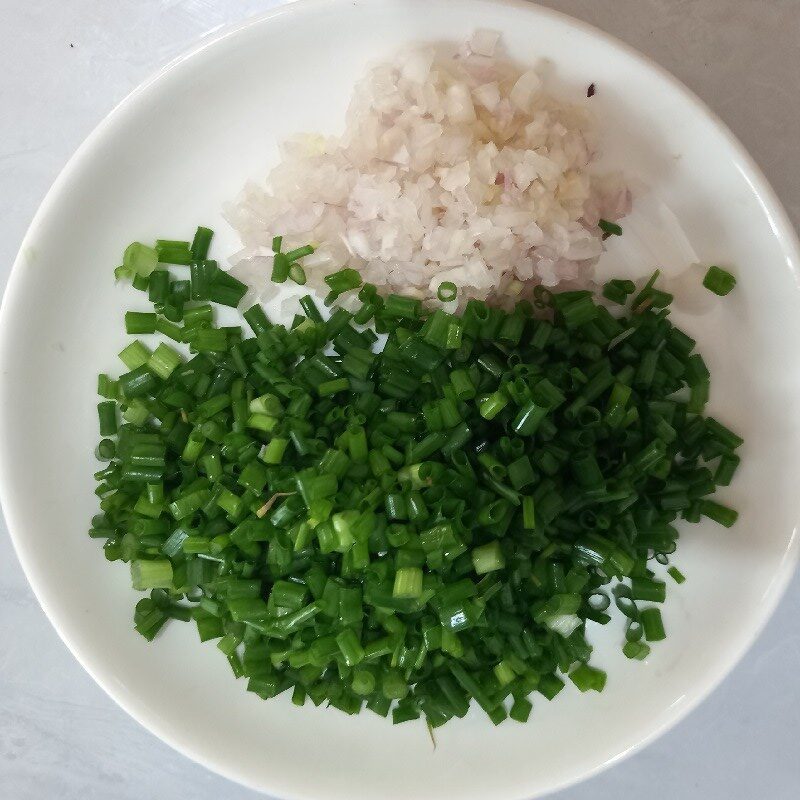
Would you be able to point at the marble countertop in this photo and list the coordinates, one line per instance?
(63, 65)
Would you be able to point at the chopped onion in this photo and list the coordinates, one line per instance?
(449, 169)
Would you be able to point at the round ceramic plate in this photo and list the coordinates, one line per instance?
(165, 160)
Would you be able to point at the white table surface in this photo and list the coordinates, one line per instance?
(63, 65)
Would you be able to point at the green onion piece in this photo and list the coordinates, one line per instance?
(407, 583)
(609, 228)
(726, 469)
(256, 318)
(329, 388)
(618, 290)
(105, 450)
(350, 647)
(447, 291)
(155, 574)
(163, 361)
(727, 438)
(722, 514)
(719, 281)
(488, 558)
(648, 589)
(201, 243)
(297, 274)
(134, 355)
(280, 268)
(310, 309)
(652, 625)
(676, 575)
(106, 387)
(550, 686)
(107, 414)
(343, 281)
(300, 252)
(579, 312)
(529, 419)
(171, 251)
(588, 678)
(140, 259)
(137, 322)
(402, 307)
(170, 330)
(636, 650)
(492, 404)
(528, 514)
(520, 710)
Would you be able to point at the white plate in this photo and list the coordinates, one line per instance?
(164, 161)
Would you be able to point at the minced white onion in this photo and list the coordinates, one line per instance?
(450, 169)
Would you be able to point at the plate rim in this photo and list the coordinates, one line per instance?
(779, 223)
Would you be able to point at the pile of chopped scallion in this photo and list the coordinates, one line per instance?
(413, 527)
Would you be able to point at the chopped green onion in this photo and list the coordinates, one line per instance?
(408, 524)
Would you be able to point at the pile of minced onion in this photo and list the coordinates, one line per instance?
(457, 169)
